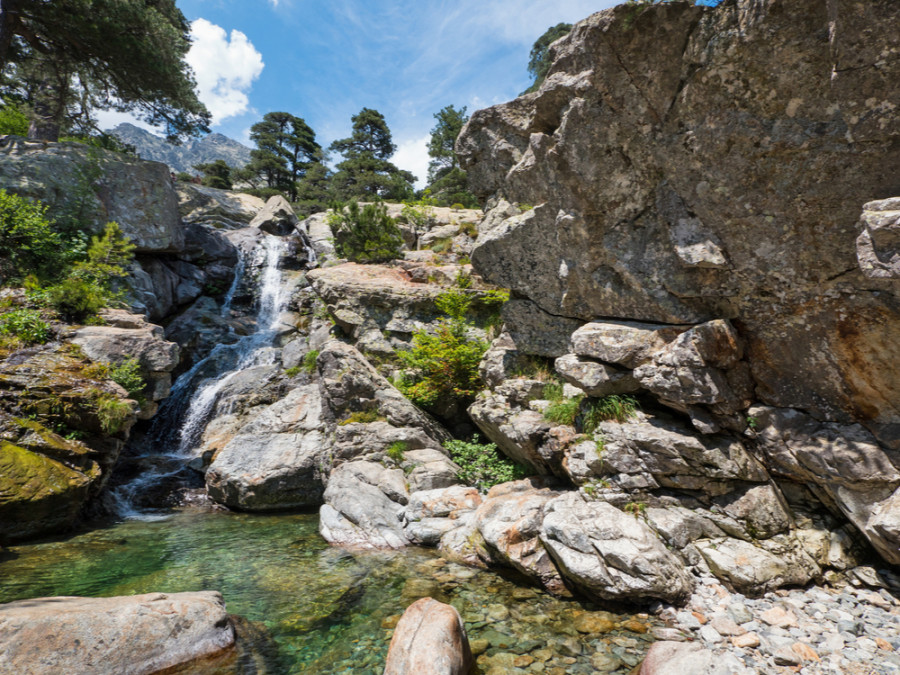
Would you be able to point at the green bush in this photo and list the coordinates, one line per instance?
(13, 120)
(28, 242)
(76, 299)
(396, 450)
(126, 374)
(111, 411)
(309, 361)
(367, 234)
(444, 364)
(482, 466)
(293, 371)
(25, 324)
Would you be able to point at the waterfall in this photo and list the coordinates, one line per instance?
(182, 418)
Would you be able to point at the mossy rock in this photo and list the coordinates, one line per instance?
(38, 494)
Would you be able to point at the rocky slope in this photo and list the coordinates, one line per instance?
(183, 157)
(699, 177)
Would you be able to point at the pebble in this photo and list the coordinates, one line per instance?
(815, 631)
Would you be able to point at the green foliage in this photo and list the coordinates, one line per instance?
(444, 364)
(469, 229)
(111, 411)
(564, 411)
(89, 286)
(482, 466)
(26, 325)
(314, 190)
(126, 374)
(539, 58)
(216, 174)
(635, 508)
(362, 417)
(28, 242)
(184, 176)
(12, 119)
(609, 408)
(396, 450)
(68, 58)
(293, 371)
(463, 280)
(366, 171)
(367, 234)
(309, 361)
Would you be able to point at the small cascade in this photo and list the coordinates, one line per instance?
(179, 425)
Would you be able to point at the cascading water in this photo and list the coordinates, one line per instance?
(183, 416)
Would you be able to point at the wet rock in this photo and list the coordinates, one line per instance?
(610, 554)
(509, 520)
(277, 461)
(429, 640)
(364, 505)
(138, 634)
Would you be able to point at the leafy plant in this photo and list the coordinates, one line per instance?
(444, 364)
(28, 242)
(111, 411)
(457, 206)
(635, 508)
(293, 371)
(126, 374)
(367, 234)
(25, 324)
(396, 450)
(481, 465)
(12, 119)
(309, 361)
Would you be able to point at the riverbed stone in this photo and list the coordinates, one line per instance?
(139, 634)
(610, 554)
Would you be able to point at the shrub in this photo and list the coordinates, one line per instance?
(482, 466)
(28, 242)
(13, 120)
(457, 207)
(128, 375)
(111, 411)
(445, 364)
(293, 371)
(26, 325)
(469, 229)
(309, 361)
(367, 234)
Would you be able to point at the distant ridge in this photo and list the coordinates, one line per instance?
(183, 157)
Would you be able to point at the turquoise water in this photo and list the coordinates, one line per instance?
(311, 608)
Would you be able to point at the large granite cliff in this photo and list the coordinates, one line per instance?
(708, 168)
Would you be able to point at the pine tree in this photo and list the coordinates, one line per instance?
(366, 171)
(67, 58)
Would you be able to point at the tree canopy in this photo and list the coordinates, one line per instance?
(67, 58)
(286, 148)
(539, 61)
(448, 183)
(366, 171)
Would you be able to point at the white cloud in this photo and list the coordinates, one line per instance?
(225, 69)
(274, 3)
(412, 155)
(107, 119)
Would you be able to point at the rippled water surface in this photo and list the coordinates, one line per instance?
(311, 608)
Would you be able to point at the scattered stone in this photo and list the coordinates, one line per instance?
(745, 640)
(779, 617)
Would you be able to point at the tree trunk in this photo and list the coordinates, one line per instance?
(48, 110)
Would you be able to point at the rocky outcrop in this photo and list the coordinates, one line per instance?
(430, 639)
(140, 634)
(96, 186)
(693, 244)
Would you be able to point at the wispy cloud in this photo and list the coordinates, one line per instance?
(225, 68)
(412, 155)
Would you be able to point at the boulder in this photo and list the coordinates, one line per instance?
(364, 505)
(276, 217)
(429, 639)
(610, 554)
(219, 209)
(138, 634)
(100, 186)
(509, 521)
(878, 244)
(595, 379)
(277, 461)
(520, 434)
(752, 569)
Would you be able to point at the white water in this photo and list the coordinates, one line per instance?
(179, 425)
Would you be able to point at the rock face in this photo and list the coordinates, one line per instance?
(641, 216)
(694, 242)
(430, 639)
(138, 634)
(100, 186)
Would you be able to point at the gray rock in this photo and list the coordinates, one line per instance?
(278, 461)
(221, 209)
(138, 195)
(752, 569)
(364, 505)
(610, 554)
(878, 245)
(139, 634)
(624, 343)
(276, 217)
(519, 434)
(596, 379)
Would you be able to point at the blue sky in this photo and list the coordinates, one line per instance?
(325, 60)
